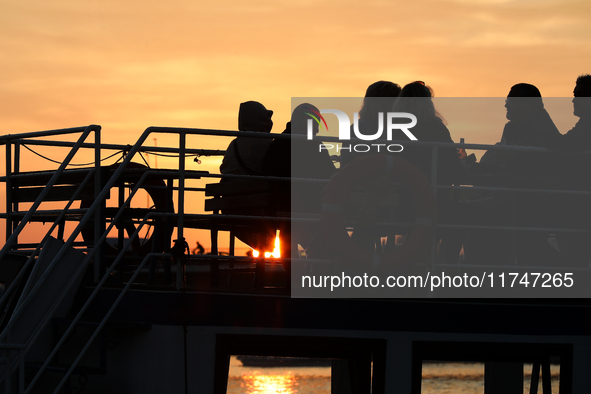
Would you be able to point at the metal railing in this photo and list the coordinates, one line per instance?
(101, 234)
(182, 175)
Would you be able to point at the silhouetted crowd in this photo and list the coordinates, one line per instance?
(539, 228)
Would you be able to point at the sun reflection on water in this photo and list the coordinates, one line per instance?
(270, 384)
(277, 380)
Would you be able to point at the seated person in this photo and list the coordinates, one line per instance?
(577, 139)
(529, 125)
(244, 155)
(311, 162)
(574, 211)
(379, 97)
(416, 98)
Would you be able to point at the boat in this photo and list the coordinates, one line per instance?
(81, 315)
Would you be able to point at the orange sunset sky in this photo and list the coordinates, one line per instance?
(130, 64)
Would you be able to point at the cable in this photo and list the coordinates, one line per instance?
(144, 159)
(175, 156)
(71, 164)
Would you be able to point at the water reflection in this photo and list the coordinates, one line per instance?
(269, 384)
(277, 380)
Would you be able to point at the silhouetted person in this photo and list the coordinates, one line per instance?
(379, 98)
(575, 211)
(308, 162)
(528, 122)
(244, 155)
(529, 125)
(199, 249)
(416, 98)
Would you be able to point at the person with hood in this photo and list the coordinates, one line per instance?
(244, 155)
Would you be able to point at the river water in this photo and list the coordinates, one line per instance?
(438, 378)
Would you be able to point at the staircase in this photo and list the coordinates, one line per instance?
(38, 326)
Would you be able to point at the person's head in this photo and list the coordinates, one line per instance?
(582, 89)
(422, 105)
(416, 89)
(524, 90)
(300, 116)
(518, 106)
(253, 116)
(376, 98)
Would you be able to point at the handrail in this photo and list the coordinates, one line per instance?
(95, 291)
(7, 138)
(102, 239)
(99, 327)
(72, 237)
(92, 209)
(8, 141)
(181, 215)
(118, 147)
(188, 131)
(47, 235)
(85, 132)
(79, 272)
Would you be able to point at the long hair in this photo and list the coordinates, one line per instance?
(376, 98)
(416, 98)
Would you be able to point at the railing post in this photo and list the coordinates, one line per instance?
(8, 164)
(98, 214)
(16, 169)
(434, 188)
(180, 225)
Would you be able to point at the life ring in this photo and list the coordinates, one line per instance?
(418, 241)
(156, 188)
